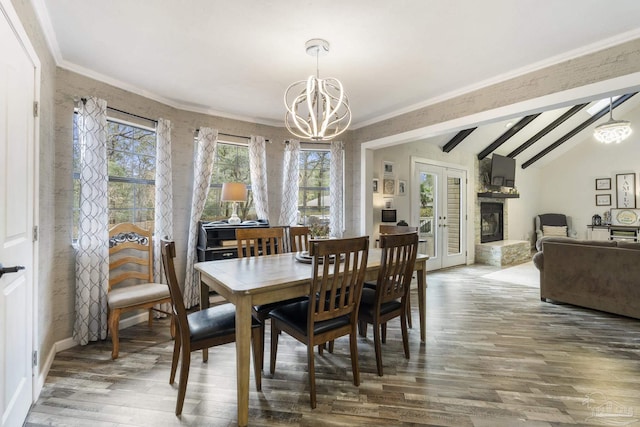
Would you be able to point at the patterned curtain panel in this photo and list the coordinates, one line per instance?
(92, 256)
(258, 169)
(336, 189)
(290, 183)
(205, 157)
(163, 219)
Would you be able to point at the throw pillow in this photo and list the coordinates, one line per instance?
(551, 230)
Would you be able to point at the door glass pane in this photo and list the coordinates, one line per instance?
(428, 186)
(454, 219)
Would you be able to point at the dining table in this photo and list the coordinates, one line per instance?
(250, 281)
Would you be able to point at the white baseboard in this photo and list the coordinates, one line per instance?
(67, 343)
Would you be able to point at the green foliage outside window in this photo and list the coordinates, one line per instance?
(231, 165)
(131, 158)
(313, 195)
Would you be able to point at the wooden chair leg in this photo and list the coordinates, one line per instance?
(174, 361)
(378, 348)
(405, 334)
(172, 328)
(408, 311)
(274, 346)
(362, 328)
(383, 327)
(184, 377)
(261, 330)
(114, 324)
(312, 376)
(150, 319)
(355, 366)
(331, 346)
(258, 355)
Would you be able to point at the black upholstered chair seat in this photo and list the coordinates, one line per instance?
(368, 303)
(214, 322)
(265, 309)
(297, 316)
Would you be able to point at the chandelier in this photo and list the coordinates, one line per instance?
(613, 130)
(317, 109)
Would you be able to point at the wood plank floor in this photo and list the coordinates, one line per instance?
(495, 356)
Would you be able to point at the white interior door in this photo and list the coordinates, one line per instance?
(17, 143)
(439, 206)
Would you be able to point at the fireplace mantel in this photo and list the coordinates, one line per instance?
(495, 195)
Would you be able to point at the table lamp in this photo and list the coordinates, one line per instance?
(234, 192)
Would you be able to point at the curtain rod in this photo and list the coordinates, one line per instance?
(234, 136)
(132, 115)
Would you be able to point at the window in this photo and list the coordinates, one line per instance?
(231, 165)
(313, 192)
(131, 157)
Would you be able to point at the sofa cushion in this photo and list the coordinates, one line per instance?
(606, 243)
(554, 230)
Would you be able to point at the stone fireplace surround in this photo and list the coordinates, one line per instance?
(500, 252)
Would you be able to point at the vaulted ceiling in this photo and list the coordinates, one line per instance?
(236, 58)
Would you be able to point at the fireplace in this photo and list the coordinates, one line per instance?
(491, 222)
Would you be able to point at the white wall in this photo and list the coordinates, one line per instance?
(567, 185)
(522, 211)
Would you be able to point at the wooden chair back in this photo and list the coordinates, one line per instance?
(299, 238)
(396, 229)
(168, 250)
(260, 241)
(396, 266)
(338, 270)
(130, 255)
(131, 285)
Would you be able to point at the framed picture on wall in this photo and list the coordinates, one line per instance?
(387, 167)
(402, 187)
(625, 190)
(603, 183)
(375, 185)
(388, 186)
(603, 199)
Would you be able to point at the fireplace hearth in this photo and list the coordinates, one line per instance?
(491, 222)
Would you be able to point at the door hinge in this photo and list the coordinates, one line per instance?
(35, 108)
(35, 358)
(35, 233)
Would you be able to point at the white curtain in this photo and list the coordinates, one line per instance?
(163, 218)
(290, 183)
(336, 189)
(92, 256)
(203, 169)
(258, 169)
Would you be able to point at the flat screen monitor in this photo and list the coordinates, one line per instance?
(388, 215)
(503, 171)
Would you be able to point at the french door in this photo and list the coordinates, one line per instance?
(439, 207)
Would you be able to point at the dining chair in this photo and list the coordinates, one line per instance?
(131, 285)
(389, 298)
(201, 329)
(331, 308)
(261, 241)
(299, 238)
(397, 229)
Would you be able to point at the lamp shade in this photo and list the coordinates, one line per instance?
(233, 192)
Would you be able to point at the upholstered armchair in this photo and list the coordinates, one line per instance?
(553, 224)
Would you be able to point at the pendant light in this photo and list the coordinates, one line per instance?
(613, 130)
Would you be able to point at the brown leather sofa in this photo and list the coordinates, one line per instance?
(602, 275)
